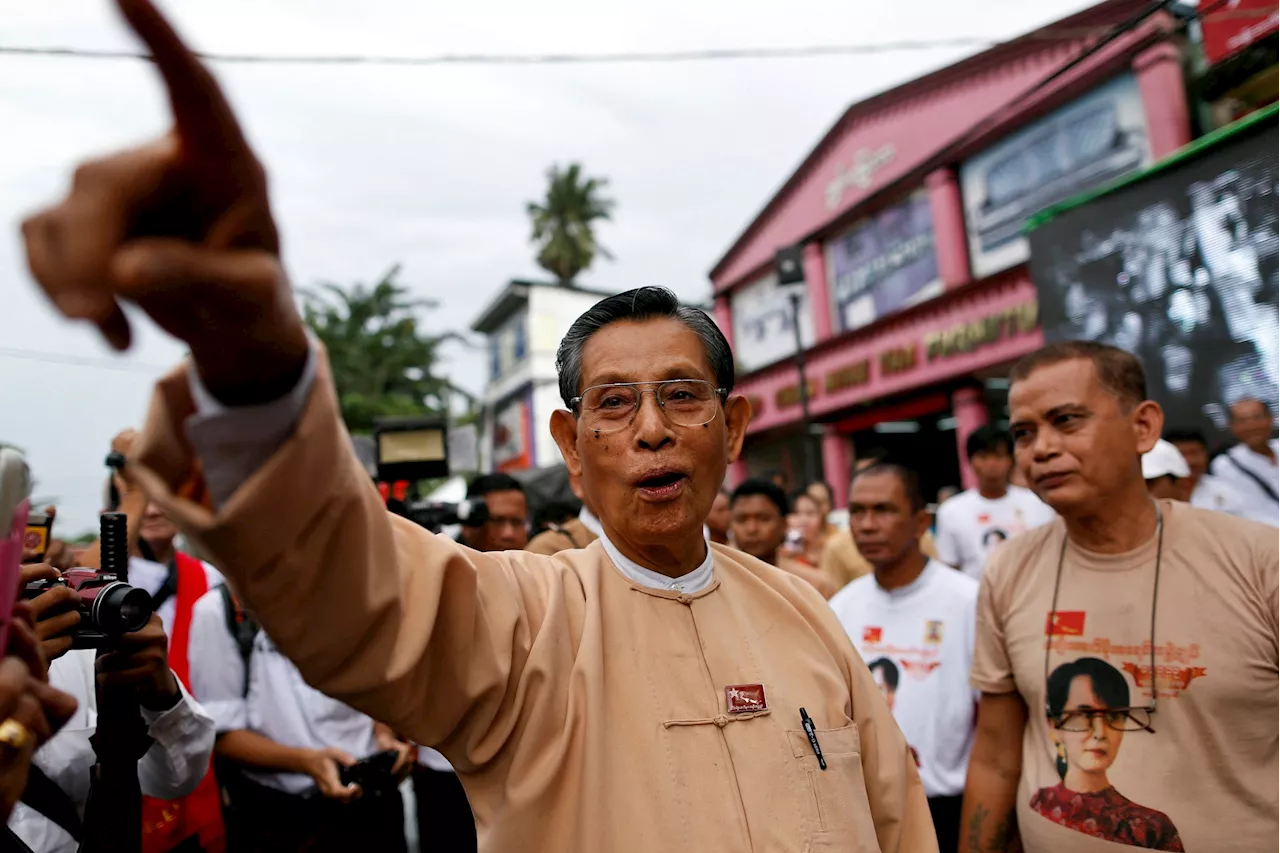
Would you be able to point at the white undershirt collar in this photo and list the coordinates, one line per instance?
(589, 521)
(931, 568)
(693, 582)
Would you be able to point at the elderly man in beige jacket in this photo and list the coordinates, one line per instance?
(648, 693)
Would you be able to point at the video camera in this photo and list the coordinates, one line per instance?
(109, 606)
(411, 449)
(472, 512)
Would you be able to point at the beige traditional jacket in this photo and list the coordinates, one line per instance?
(583, 712)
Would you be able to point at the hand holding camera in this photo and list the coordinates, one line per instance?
(140, 659)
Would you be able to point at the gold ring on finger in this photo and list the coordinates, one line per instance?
(14, 734)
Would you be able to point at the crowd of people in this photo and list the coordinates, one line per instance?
(673, 666)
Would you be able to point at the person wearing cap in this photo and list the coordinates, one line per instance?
(1167, 474)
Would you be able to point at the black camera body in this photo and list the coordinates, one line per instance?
(108, 607)
(434, 516)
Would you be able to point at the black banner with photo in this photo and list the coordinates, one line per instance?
(1178, 266)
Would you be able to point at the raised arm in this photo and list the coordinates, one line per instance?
(376, 612)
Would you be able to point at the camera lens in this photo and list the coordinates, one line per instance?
(119, 608)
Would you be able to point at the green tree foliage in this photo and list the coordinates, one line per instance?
(381, 359)
(563, 222)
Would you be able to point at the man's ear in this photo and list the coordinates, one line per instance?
(564, 429)
(922, 523)
(1148, 424)
(737, 414)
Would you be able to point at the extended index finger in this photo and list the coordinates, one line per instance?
(204, 119)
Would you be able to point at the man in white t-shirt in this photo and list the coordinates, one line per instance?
(912, 621)
(976, 520)
(1207, 491)
(1250, 467)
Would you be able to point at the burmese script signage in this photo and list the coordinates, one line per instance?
(861, 172)
(967, 337)
(790, 396)
(903, 358)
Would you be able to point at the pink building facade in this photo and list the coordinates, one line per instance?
(909, 212)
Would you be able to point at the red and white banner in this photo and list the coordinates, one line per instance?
(1235, 25)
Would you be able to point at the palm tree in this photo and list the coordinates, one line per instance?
(562, 223)
(382, 362)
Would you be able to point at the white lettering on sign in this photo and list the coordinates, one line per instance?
(861, 173)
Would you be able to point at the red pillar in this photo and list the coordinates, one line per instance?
(837, 465)
(970, 412)
(950, 240)
(724, 317)
(815, 280)
(1164, 98)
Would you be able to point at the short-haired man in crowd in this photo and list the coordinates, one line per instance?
(720, 517)
(577, 531)
(507, 526)
(1207, 491)
(914, 615)
(759, 525)
(1167, 474)
(971, 523)
(1250, 467)
(840, 561)
(1149, 585)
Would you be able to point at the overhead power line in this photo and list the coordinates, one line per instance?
(703, 55)
(83, 361)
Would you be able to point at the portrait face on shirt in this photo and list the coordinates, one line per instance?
(1075, 440)
(620, 469)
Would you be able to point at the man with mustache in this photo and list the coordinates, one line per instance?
(649, 692)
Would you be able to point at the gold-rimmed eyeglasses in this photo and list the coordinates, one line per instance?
(684, 402)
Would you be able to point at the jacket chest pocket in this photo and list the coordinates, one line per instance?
(840, 791)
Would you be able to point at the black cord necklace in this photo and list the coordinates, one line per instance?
(1155, 590)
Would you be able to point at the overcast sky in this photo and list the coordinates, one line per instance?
(431, 166)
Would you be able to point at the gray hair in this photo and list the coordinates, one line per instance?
(643, 303)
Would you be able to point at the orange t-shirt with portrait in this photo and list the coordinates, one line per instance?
(1206, 777)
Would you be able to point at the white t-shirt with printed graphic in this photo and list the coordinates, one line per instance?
(970, 526)
(918, 641)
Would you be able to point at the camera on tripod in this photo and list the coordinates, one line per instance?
(109, 606)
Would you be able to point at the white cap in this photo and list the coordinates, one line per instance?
(1164, 460)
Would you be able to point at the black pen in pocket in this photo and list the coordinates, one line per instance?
(813, 737)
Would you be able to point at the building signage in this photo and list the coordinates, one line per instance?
(883, 264)
(1097, 137)
(511, 436)
(790, 396)
(762, 330)
(897, 360)
(849, 376)
(967, 337)
(861, 173)
(1230, 28)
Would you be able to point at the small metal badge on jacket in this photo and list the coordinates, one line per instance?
(744, 698)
